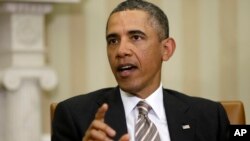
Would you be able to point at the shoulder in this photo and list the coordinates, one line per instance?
(206, 113)
(86, 99)
(84, 104)
(198, 108)
(197, 103)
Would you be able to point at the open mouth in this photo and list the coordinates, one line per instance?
(126, 69)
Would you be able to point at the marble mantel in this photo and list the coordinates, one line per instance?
(24, 74)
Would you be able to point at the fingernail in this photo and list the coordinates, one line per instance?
(111, 132)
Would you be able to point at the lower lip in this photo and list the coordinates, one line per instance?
(126, 73)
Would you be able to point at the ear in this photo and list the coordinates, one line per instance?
(168, 48)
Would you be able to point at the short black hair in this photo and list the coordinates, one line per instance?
(154, 12)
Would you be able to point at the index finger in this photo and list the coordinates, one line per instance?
(100, 114)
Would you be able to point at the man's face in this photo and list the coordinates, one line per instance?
(134, 51)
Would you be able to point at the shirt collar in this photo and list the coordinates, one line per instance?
(155, 100)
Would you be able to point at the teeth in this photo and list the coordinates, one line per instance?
(126, 67)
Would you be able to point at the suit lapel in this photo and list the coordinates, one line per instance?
(115, 116)
(181, 125)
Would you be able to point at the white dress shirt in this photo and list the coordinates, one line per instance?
(156, 115)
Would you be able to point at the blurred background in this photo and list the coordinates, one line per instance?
(211, 60)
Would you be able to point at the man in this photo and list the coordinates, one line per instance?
(138, 42)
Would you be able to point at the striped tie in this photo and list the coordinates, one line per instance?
(145, 130)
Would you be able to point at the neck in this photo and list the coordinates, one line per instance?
(147, 92)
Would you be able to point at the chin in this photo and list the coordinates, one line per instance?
(129, 89)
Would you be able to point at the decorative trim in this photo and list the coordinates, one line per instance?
(18, 7)
(13, 77)
(28, 30)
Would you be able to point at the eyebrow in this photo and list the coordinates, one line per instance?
(131, 32)
(112, 35)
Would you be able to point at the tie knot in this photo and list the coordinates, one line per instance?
(143, 108)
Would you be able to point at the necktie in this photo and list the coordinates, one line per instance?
(145, 130)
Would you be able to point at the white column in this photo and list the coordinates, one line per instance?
(23, 71)
(23, 107)
(24, 74)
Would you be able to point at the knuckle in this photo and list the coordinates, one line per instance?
(97, 135)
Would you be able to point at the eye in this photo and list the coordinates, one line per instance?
(136, 37)
(112, 41)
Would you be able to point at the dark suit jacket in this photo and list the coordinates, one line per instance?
(207, 119)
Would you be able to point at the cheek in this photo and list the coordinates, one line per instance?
(151, 54)
(110, 57)
(110, 53)
(145, 58)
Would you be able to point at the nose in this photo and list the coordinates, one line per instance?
(124, 49)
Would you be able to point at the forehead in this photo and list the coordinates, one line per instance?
(128, 20)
